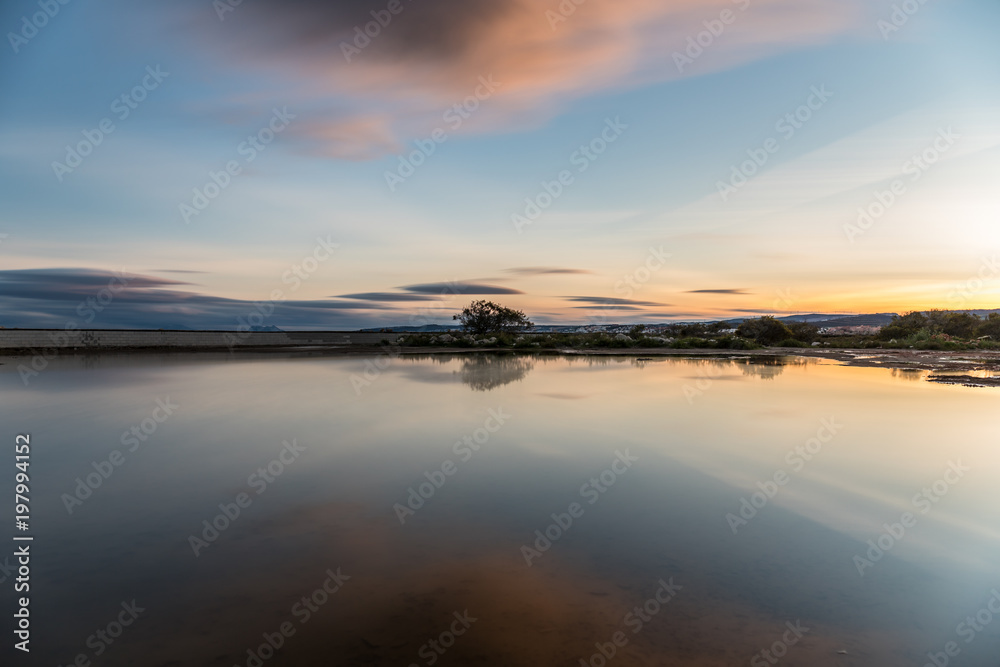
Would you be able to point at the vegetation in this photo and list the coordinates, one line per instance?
(764, 330)
(562, 341)
(487, 317)
(488, 325)
(941, 330)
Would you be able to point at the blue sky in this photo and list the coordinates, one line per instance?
(788, 240)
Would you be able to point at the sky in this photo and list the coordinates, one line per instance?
(338, 165)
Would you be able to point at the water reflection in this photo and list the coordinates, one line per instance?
(909, 374)
(462, 546)
(481, 372)
(768, 368)
(485, 372)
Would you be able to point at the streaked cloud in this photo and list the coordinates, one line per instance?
(610, 301)
(736, 290)
(459, 288)
(368, 95)
(386, 296)
(545, 270)
(88, 298)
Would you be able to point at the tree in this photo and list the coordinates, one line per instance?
(488, 317)
(990, 327)
(960, 325)
(764, 330)
(904, 326)
(803, 331)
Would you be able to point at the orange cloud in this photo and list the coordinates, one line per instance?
(369, 94)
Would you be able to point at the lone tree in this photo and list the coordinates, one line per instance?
(765, 330)
(488, 317)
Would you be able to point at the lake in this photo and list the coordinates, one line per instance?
(301, 509)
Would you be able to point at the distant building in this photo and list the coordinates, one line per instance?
(858, 330)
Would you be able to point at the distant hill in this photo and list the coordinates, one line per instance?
(819, 319)
(811, 317)
(875, 320)
(426, 328)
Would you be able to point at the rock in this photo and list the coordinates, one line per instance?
(447, 338)
(623, 337)
(816, 344)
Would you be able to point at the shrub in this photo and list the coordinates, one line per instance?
(488, 317)
(764, 330)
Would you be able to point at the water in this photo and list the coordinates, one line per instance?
(498, 445)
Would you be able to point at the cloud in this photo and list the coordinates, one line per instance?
(545, 270)
(64, 283)
(87, 298)
(611, 301)
(459, 288)
(352, 138)
(737, 291)
(176, 271)
(386, 296)
(609, 307)
(363, 96)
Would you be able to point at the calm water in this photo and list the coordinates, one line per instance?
(650, 467)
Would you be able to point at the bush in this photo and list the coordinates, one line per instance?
(804, 332)
(764, 330)
(737, 343)
(901, 327)
(488, 317)
(990, 327)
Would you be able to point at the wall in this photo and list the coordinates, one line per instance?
(39, 339)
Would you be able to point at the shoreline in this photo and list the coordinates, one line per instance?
(973, 368)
